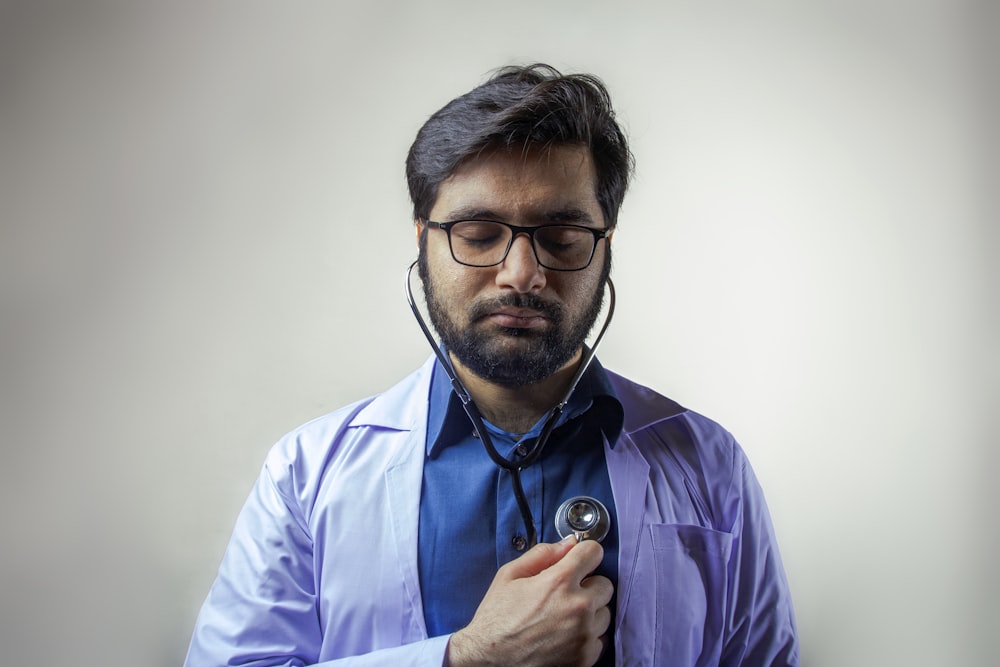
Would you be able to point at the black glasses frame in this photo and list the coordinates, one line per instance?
(515, 230)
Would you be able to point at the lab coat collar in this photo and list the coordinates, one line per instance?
(402, 406)
(395, 408)
(643, 406)
(448, 423)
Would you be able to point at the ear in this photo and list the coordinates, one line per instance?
(418, 225)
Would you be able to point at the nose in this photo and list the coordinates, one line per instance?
(520, 269)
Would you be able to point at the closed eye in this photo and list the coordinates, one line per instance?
(479, 233)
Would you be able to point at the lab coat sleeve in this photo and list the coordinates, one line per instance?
(761, 622)
(262, 609)
(426, 653)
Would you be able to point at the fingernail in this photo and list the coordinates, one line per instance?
(568, 539)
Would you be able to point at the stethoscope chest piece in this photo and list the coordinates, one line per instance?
(584, 517)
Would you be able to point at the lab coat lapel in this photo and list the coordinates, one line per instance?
(403, 482)
(400, 409)
(629, 473)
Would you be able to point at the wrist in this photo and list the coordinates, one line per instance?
(461, 651)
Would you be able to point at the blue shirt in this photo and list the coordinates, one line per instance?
(469, 521)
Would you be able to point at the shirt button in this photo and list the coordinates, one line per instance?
(475, 434)
(519, 542)
(522, 450)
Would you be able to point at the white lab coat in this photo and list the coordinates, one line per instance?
(322, 565)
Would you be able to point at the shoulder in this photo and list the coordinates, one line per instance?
(651, 413)
(679, 443)
(368, 432)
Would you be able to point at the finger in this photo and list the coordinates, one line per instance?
(536, 560)
(582, 559)
(600, 588)
(602, 621)
(594, 648)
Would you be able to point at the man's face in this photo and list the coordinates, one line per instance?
(515, 323)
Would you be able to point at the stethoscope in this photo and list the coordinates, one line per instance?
(583, 517)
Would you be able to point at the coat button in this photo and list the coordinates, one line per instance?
(519, 542)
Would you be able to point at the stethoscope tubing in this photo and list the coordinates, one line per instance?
(475, 416)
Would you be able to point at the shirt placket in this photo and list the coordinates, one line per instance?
(511, 538)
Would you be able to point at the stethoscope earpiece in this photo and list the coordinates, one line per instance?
(584, 517)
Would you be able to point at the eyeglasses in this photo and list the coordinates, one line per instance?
(484, 243)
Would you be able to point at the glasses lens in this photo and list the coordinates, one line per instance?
(565, 248)
(484, 243)
(479, 243)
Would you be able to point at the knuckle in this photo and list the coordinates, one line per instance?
(581, 606)
(560, 578)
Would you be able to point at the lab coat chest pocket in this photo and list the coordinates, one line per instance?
(690, 566)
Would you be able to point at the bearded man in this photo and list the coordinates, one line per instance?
(427, 525)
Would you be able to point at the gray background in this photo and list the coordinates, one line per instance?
(203, 228)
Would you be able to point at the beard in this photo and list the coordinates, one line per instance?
(488, 352)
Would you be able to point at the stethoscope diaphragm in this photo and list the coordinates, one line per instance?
(584, 517)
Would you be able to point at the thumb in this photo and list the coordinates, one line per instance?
(538, 558)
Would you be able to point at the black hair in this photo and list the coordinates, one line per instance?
(518, 106)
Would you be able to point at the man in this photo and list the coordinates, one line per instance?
(384, 534)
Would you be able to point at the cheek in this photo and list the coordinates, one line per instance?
(579, 292)
(454, 283)
(439, 262)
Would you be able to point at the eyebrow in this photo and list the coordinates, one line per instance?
(472, 213)
(567, 215)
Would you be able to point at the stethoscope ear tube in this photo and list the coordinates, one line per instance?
(463, 394)
(515, 467)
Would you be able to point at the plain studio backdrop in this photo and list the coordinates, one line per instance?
(204, 229)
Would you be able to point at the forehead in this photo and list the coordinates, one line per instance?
(523, 182)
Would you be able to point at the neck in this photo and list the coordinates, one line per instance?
(517, 409)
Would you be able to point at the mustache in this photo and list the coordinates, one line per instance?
(551, 310)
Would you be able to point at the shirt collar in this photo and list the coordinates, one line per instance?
(448, 424)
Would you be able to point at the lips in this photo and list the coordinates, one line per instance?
(518, 311)
(518, 318)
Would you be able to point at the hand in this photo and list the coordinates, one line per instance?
(542, 609)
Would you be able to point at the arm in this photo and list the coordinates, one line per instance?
(262, 609)
(541, 609)
(761, 623)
